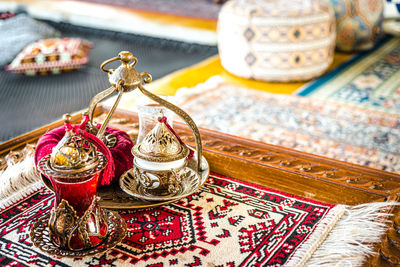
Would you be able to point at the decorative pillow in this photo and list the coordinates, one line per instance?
(51, 56)
(19, 31)
(358, 24)
(276, 40)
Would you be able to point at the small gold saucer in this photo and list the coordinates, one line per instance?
(41, 238)
(190, 183)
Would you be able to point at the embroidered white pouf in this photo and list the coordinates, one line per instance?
(276, 40)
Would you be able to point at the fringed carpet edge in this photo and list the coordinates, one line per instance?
(345, 236)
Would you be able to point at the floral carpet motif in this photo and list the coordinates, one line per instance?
(343, 132)
(370, 80)
(226, 223)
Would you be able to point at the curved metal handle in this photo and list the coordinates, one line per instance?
(106, 62)
(97, 98)
(124, 56)
(188, 120)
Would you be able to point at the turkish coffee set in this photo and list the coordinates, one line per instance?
(164, 169)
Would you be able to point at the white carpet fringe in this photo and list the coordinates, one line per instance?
(322, 230)
(18, 180)
(351, 240)
(20, 194)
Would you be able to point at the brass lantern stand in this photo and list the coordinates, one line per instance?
(125, 79)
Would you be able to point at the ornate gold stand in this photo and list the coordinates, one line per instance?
(64, 224)
(53, 232)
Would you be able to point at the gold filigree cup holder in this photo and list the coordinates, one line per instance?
(41, 237)
(76, 226)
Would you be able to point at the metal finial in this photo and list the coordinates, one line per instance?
(67, 118)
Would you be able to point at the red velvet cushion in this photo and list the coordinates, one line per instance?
(121, 152)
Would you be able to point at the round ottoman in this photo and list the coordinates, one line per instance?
(358, 24)
(276, 40)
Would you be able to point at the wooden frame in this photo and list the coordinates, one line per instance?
(284, 169)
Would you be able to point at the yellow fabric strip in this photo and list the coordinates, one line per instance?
(196, 23)
(199, 73)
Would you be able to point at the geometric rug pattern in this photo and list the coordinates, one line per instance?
(370, 80)
(226, 223)
(343, 132)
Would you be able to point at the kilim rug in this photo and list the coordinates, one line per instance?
(370, 80)
(225, 223)
(204, 9)
(346, 133)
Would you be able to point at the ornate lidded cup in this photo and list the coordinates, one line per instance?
(160, 159)
(76, 221)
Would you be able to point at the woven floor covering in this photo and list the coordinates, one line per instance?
(204, 9)
(225, 223)
(370, 80)
(343, 132)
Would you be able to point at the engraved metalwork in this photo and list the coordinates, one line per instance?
(109, 139)
(160, 145)
(113, 197)
(188, 120)
(124, 79)
(64, 225)
(72, 157)
(116, 230)
(73, 152)
(189, 183)
(126, 72)
(160, 183)
(44, 167)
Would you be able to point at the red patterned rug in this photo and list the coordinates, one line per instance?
(226, 223)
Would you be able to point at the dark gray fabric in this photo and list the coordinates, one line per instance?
(28, 102)
(19, 31)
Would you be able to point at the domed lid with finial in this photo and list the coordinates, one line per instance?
(73, 156)
(160, 145)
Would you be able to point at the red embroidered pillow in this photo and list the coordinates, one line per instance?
(51, 56)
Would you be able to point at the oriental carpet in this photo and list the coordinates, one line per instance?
(343, 132)
(370, 80)
(225, 223)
